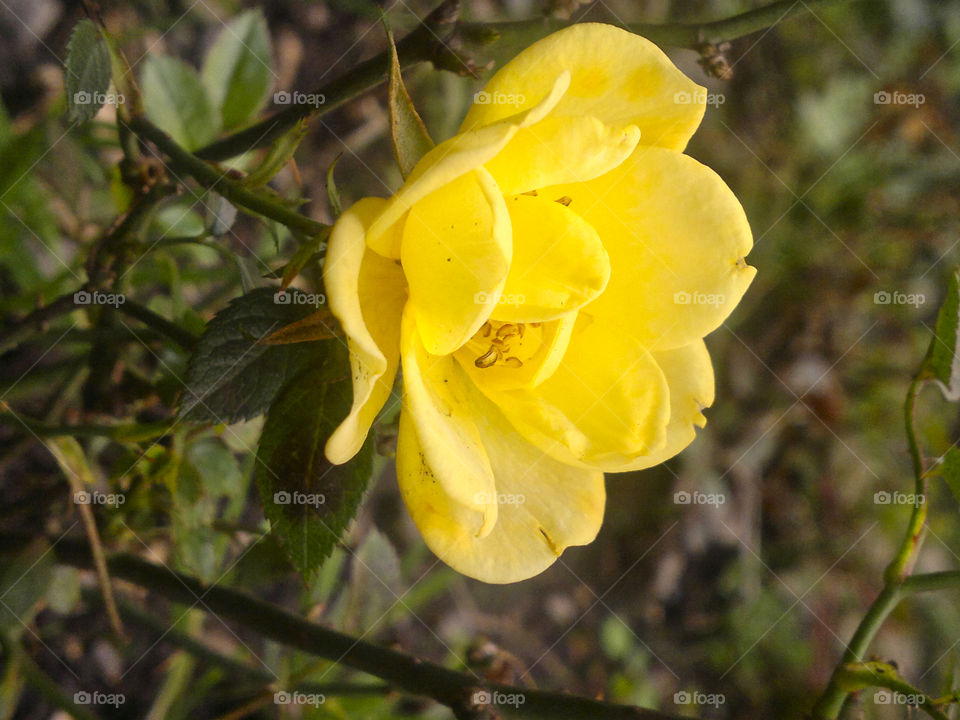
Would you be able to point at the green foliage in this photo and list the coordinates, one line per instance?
(950, 471)
(944, 357)
(24, 580)
(177, 102)
(231, 375)
(409, 135)
(309, 501)
(237, 71)
(87, 73)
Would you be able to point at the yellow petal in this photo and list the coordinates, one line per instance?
(366, 293)
(561, 150)
(616, 76)
(608, 398)
(544, 506)
(453, 158)
(559, 263)
(456, 253)
(436, 398)
(676, 236)
(689, 374)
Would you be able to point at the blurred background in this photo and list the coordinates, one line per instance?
(838, 130)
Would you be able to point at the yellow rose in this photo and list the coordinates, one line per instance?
(545, 279)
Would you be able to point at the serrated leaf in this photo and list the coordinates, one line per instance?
(943, 360)
(950, 471)
(308, 500)
(87, 72)
(232, 376)
(238, 70)
(177, 102)
(409, 135)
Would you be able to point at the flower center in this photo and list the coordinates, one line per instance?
(504, 344)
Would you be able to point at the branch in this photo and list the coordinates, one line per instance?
(212, 178)
(182, 337)
(412, 675)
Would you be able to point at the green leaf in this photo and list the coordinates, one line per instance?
(24, 580)
(333, 195)
(308, 249)
(411, 141)
(231, 375)
(374, 580)
(309, 501)
(950, 471)
(237, 70)
(87, 72)
(177, 102)
(277, 156)
(943, 360)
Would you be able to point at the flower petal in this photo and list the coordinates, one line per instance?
(436, 398)
(559, 263)
(676, 236)
(616, 76)
(689, 374)
(455, 157)
(607, 399)
(456, 253)
(544, 506)
(561, 150)
(366, 292)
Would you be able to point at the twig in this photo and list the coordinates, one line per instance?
(407, 673)
(184, 338)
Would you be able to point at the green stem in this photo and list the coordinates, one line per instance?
(407, 673)
(859, 676)
(214, 179)
(184, 338)
(127, 432)
(41, 682)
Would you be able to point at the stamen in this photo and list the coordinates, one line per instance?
(513, 362)
(488, 359)
(565, 200)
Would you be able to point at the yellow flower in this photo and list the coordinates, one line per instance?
(545, 279)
